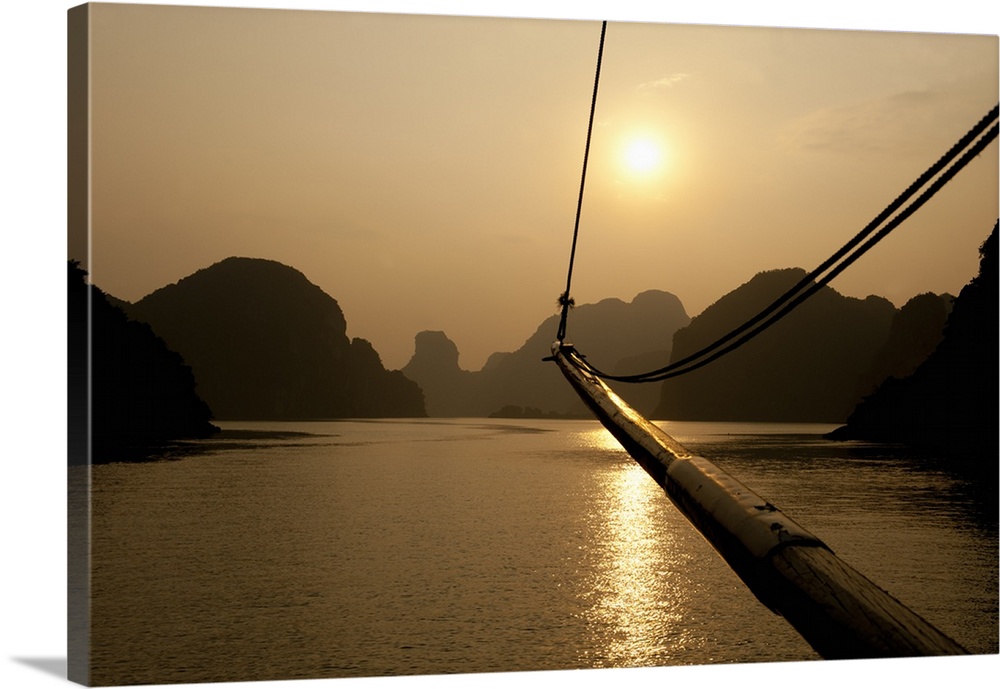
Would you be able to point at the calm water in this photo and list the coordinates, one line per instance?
(333, 549)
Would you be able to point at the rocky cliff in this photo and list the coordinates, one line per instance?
(265, 343)
(142, 394)
(948, 405)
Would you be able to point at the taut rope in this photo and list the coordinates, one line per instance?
(565, 300)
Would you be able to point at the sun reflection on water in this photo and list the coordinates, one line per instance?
(640, 575)
(599, 439)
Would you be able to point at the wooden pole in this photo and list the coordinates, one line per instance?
(839, 612)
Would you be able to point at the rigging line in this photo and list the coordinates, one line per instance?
(565, 300)
(685, 365)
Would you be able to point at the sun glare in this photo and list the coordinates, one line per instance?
(643, 156)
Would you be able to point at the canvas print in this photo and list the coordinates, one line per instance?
(420, 345)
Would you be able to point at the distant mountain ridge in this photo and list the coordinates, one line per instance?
(265, 343)
(813, 366)
(806, 367)
(611, 332)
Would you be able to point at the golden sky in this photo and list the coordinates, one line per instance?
(424, 170)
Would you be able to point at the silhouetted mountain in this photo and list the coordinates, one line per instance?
(949, 404)
(916, 330)
(265, 343)
(142, 393)
(804, 368)
(448, 390)
(607, 332)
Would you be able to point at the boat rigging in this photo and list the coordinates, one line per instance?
(839, 612)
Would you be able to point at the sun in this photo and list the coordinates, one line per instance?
(642, 156)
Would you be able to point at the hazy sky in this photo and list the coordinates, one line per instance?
(424, 170)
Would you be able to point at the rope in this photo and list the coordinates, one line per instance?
(795, 296)
(564, 299)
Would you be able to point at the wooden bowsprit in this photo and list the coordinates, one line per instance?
(839, 612)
